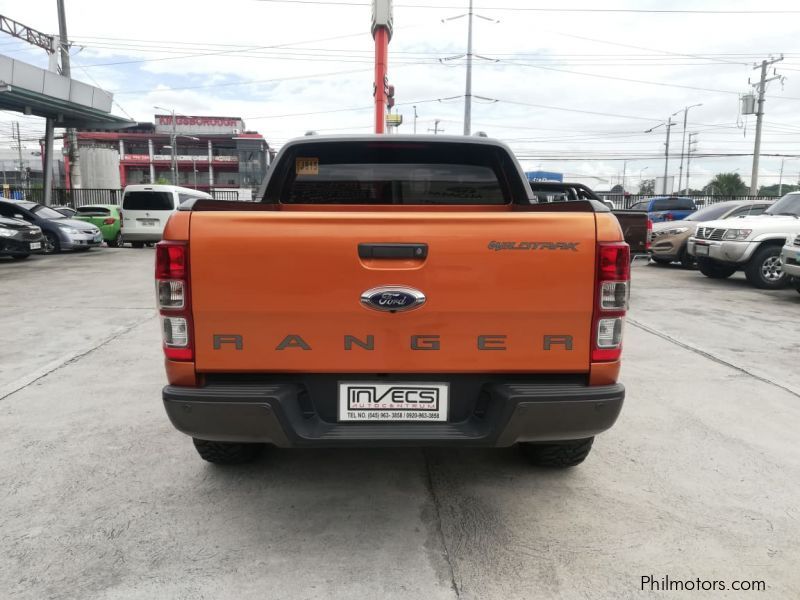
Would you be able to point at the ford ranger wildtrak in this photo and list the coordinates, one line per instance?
(393, 291)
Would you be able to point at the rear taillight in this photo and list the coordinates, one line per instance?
(172, 296)
(649, 241)
(120, 218)
(611, 300)
(109, 221)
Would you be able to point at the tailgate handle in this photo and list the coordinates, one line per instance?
(418, 251)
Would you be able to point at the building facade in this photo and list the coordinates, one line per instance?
(210, 152)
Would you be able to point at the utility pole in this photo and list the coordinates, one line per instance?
(436, 129)
(468, 90)
(689, 151)
(683, 143)
(624, 169)
(415, 120)
(16, 136)
(669, 125)
(780, 180)
(762, 87)
(72, 137)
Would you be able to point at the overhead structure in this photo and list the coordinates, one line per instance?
(52, 94)
(33, 91)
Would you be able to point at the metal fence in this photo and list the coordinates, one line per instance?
(85, 196)
(620, 201)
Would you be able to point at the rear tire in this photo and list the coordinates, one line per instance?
(560, 455)
(117, 241)
(764, 269)
(20, 256)
(227, 453)
(137, 244)
(714, 270)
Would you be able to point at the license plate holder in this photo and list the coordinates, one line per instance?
(148, 222)
(701, 250)
(371, 401)
(36, 245)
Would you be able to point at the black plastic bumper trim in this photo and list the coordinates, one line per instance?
(273, 413)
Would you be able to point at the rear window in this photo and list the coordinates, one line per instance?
(674, 204)
(148, 201)
(93, 211)
(380, 173)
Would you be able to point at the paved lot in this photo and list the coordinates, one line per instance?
(101, 498)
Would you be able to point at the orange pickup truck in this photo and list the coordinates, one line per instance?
(393, 291)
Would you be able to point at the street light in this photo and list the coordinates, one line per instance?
(683, 146)
(172, 139)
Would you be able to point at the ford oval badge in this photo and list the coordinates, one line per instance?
(392, 298)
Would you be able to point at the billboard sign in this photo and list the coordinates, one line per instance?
(199, 125)
(544, 176)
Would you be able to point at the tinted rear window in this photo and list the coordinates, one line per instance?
(93, 211)
(379, 173)
(148, 201)
(674, 204)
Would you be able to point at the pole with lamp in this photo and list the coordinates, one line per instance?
(641, 177)
(173, 149)
(683, 146)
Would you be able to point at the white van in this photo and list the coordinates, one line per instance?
(146, 208)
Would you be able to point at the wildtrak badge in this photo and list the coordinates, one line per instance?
(534, 246)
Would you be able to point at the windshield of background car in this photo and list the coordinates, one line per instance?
(710, 213)
(148, 201)
(788, 205)
(44, 212)
(408, 173)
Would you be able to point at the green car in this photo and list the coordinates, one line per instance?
(108, 217)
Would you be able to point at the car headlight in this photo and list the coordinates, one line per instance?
(7, 232)
(70, 230)
(676, 231)
(737, 234)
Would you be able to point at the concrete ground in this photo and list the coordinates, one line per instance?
(101, 498)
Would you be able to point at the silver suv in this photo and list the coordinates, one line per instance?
(752, 244)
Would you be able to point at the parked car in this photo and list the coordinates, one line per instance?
(146, 209)
(635, 224)
(669, 239)
(790, 259)
(19, 239)
(67, 211)
(666, 208)
(60, 233)
(752, 244)
(107, 217)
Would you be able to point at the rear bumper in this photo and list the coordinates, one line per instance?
(278, 413)
(153, 236)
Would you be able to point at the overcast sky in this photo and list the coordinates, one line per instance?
(570, 90)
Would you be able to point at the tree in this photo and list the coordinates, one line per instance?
(647, 186)
(726, 184)
(772, 190)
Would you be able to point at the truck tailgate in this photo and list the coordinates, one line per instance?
(280, 291)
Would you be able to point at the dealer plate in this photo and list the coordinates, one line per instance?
(36, 245)
(701, 250)
(393, 401)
